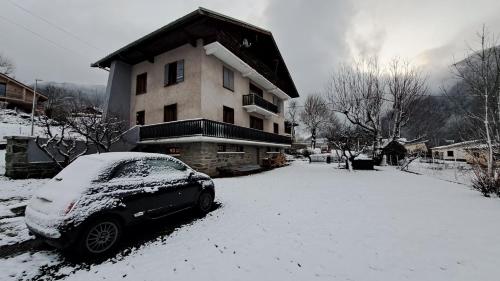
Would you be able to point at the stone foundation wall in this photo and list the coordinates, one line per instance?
(204, 157)
(18, 165)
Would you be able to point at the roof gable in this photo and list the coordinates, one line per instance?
(262, 53)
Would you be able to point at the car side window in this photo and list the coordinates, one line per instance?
(165, 167)
(131, 170)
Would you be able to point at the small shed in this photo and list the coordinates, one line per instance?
(394, 151)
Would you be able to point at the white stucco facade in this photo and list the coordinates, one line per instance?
(201, 94)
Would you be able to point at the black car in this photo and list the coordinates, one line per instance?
(87, 205)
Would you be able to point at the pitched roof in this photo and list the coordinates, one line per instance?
(464, 144)
(19, 83)
(206, 24)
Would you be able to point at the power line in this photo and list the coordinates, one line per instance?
(56, 26)
(42, 37)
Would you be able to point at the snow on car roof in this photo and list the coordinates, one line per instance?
(96, 164)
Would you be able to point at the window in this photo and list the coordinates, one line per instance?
(276, 101)
(163, 166)
(450, 153)
(3, 89)
(174, 73)
(288, 128)
(276, 128)
(221, 148)
(170, 113)
(140, 117)
(228, 78)
(173, 150)
(130, 170)
(228, 115)
(256, 90)
(141, 84)
(256, 123)
(240, 149)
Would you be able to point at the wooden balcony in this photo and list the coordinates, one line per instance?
(208, 128)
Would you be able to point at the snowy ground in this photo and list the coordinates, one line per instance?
(305, 222)
(14, 123)
(458, 172)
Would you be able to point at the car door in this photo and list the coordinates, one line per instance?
(175, 190)
(128, 184)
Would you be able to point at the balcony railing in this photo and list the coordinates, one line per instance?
(208, 128)
(253, 99)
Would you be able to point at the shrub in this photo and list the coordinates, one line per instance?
(485, 183)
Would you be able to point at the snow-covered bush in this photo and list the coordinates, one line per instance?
(485, 183)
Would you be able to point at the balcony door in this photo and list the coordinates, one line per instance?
(256, 123)
(256, 90)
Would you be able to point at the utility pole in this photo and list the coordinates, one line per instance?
(33, 107)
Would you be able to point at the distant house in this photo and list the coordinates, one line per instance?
(416, 147)
(460, 151)
(16, 95)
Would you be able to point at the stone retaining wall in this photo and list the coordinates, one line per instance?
(204, 156)
(18, 164)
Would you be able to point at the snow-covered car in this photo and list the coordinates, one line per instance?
(87, 205)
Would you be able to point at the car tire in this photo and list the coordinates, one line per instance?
(99, 237)
(205, 202)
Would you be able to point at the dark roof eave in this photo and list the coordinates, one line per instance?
(106, 61)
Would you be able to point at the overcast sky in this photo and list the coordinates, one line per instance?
(313, 36)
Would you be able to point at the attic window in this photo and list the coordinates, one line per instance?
(174, 73)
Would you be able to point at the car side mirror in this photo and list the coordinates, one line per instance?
(191, 175)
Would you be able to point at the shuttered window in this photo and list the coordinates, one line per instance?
(141, 84)
(228, 115)
(170, 113)
(228, 78)
(256, 123)
(140, 117)
(174, 73)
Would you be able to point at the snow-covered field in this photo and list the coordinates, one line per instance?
(458, 172)
(17, 124)
(306, 222)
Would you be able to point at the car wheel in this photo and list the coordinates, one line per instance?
(205, 202)
(100, 237)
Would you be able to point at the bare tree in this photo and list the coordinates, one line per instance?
(102, 132)
(314, 114)
(293, 115)
(61, 144)
(6, 65)
(357, 91)
(479, 77)
(348, 139)
(406, 87)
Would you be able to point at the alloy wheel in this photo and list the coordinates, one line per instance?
(101, 237)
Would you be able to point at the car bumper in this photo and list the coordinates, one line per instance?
(43, 228)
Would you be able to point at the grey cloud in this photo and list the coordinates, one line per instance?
(311, 37)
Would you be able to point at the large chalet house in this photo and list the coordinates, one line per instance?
(206, 88)
(17, 95)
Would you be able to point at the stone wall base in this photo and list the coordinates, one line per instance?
(31, 170)
(208, 157)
